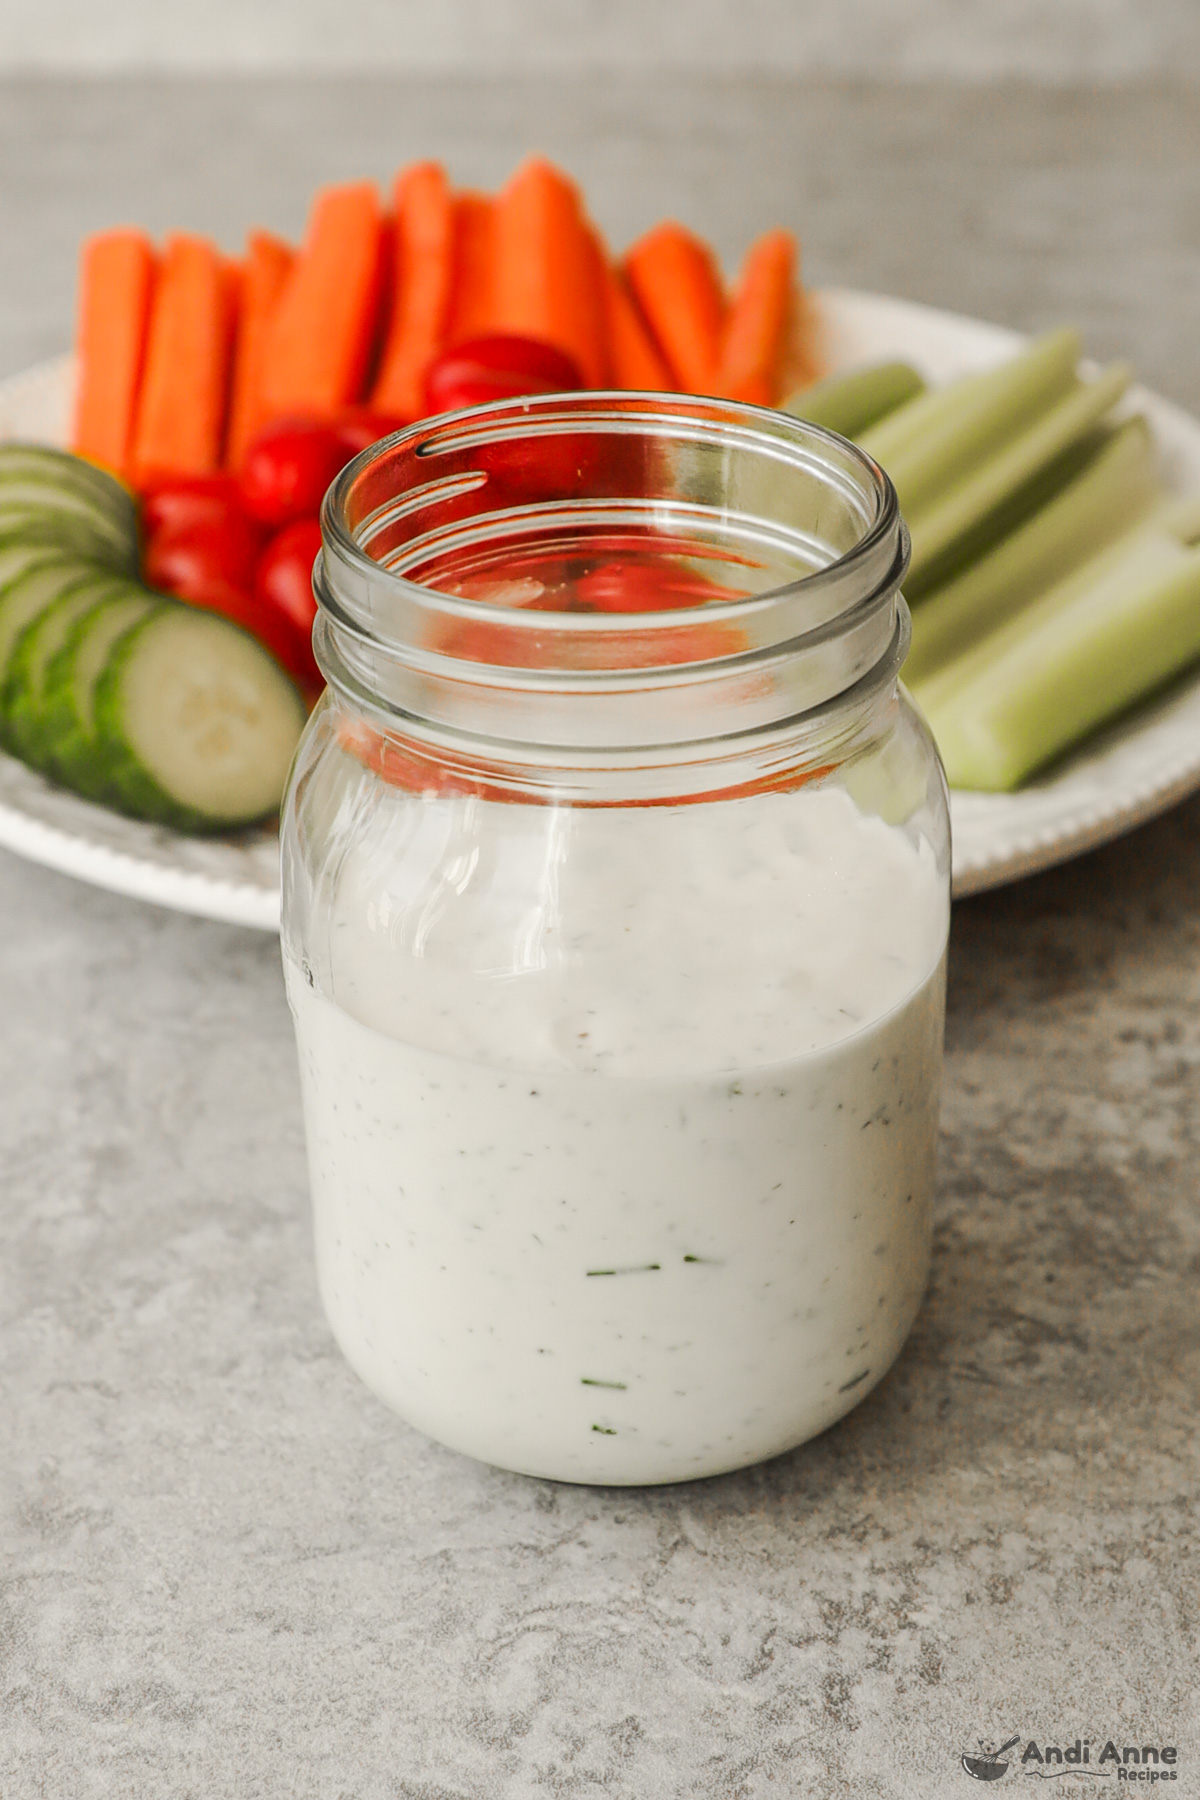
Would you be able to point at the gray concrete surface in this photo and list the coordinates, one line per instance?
(976, 40)
(225, 1569)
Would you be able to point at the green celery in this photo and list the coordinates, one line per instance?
(1151, 546)
(1115, 488)
(959, 513)
(1101, 639)
(851, 402)
(936, 439)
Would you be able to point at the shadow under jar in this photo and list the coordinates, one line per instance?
(615, 902)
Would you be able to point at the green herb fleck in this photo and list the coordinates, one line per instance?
(633, 1269)
(590, 1381)
(604, 1430)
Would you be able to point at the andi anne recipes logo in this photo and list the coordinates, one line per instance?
(1143, 1763)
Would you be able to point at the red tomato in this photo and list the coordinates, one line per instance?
(189, 500)
(516, 355)
(497, 368)
(223, 549)
(358, 428)
(287, 469)
(283, 583)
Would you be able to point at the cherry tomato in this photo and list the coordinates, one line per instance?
(499, 367)
(288, 467)
(517, 355)
(358, 428)
(283, 583)
(182, 559)
(187, 500)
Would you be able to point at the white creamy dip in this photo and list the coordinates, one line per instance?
(621, 1122)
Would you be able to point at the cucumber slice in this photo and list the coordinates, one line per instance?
(22, 701)
(54, 472)
(199, 721)
(68, 523)
(48, 494)
(63, 467)
(69, 689)
(29, 594)
(18, 556)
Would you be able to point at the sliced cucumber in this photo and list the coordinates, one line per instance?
(59, 471)
(69, 688)
(49, 495)
(64, 469)
(196, 721)
(31, 593)
(68, 524)
(37, 454)
(23, 698)
(18, 556)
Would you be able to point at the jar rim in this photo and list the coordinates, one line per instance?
(621, 410)
(391, 637)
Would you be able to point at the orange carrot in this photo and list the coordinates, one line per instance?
(471, 311)
(423, 276)
(804, 359)
(676, 282)
(322, 334)
(637, 361)
(268, 261)
(181, 407)
(545, 284)
(116, 288)
(755, 341)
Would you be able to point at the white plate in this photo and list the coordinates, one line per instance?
(1124, 776)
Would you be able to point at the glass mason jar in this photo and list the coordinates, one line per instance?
(616, 894)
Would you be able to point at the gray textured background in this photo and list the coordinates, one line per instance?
(1044, 40)
(224, 1569)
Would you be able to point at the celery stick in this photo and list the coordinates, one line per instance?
(937, 438)
(1066, 664)
(1112, 491)
(956, 514)
(1150, 548)
(851, 402)
(1181, 518)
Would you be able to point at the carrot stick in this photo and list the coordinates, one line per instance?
(676, 282)
(181, 407)
(268, 261)
(322, 334)
(637, 361)
(423, 276)
(471, 310)
(545, 283)
(116, 287)
(755, 340)
(804, 358)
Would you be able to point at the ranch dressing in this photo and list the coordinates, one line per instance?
(621, 1121)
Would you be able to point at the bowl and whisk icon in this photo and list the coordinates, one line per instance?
(988, 1766)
